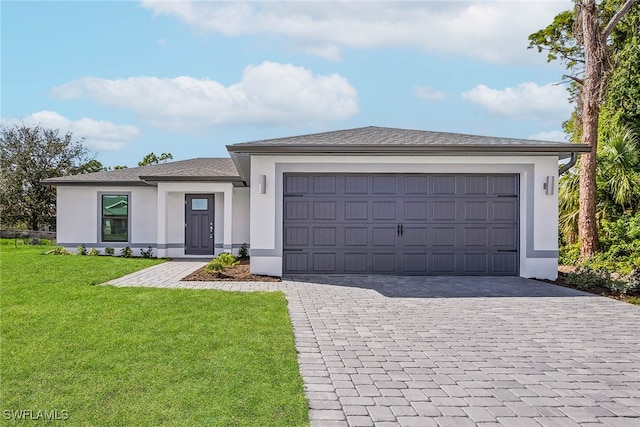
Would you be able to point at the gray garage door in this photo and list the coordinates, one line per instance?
(400, 224)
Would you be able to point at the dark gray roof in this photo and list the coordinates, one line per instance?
(201, 169)
(380, 140)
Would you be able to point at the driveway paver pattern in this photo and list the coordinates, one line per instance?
(452, 351)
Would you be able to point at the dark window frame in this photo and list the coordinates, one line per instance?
(102, 218)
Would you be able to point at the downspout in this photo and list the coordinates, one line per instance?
(572, 162)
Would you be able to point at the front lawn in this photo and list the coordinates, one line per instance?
(140, 356)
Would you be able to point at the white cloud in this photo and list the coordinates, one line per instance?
(430, 94)
(98, 134)
(525, 101)
(267, 94)
(552, 135)
(492, 31)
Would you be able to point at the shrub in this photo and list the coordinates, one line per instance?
(126, 252)
(147, 254)
(569, 254)
(221, 262)
(633, 281)
(109, 251)
(590, 279)
(82, 249)
(58, 250)
(243, 252)
(94, 252)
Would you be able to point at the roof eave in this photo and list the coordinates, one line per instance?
(152, 178)
(87, 182)
(493, 149)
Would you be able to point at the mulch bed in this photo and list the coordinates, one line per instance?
(239, 273)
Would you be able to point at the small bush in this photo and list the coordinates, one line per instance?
(126, 252)
(243, 252)
(58, 250)
(109, 251)
(221, 262)
(589, 279)
(82, 249)
(35, 241)
(94, 252)
(633, 282)
(569, 254)
(148, 253)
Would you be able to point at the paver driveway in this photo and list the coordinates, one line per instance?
(457, 351)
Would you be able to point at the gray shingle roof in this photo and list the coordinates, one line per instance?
(374, 139)
(200, 169)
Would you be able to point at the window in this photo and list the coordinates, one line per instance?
(199, 204)
(115, 217)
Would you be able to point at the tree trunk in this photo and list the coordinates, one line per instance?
(594, 72)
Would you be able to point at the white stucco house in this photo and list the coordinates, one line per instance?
(359, 201)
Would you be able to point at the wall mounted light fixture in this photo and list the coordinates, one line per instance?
(550, 185)
(262, 184)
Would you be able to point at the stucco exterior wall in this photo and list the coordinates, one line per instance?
(157, 216)
(538, 211)
(78, 216)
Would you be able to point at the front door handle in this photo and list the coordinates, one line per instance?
(402, 229)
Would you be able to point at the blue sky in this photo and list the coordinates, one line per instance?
(190, 77)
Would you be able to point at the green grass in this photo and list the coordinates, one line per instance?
(634, 300)
(141, 356)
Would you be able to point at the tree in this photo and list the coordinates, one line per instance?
(27, 156)
(585, 45)
(152, 159)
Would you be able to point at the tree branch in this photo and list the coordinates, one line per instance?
(616, 18)
(575, 79)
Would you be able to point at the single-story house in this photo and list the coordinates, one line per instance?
(359, 201)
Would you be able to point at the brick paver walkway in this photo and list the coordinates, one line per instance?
(416, 351)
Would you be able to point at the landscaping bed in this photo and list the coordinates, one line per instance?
(237, 273)
(594, 282)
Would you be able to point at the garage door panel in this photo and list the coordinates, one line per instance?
(475, 185)
(384, 210)
(475, 263)
(415, 263)
(443, 185)
(504, 210)
(356, 211)
(476, 211)
(415, 210)
(383, 262)
(443, 210)
(384, 185)
(401, 224)
(356, 185)
(504, 263)
(296, 184)
(505, 185)
(506, 237)
(444, 237)
(296, 210)
(324, 185)
(324, 236)
(443, 262)
(356, 236)
(324, 262)
(296, 236)
(384, 236)
(416, 236)
(475, 237)
(356, 262)
(416, 185)
(296, 262)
